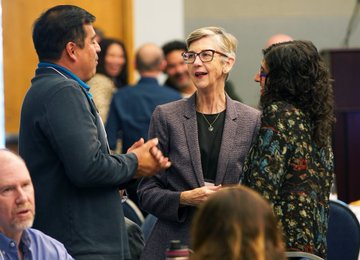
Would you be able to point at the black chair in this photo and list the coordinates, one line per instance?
(302, 256)
(136, 238)
(343, 237)
(148, 225)
(132, 212)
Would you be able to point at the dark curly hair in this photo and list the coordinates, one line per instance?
(297, 75)
(121, 79)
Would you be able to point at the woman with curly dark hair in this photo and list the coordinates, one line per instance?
(291, 162)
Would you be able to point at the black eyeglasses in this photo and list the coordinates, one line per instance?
(262, 72)
(205, 56)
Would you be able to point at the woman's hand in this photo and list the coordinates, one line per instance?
(197, 196)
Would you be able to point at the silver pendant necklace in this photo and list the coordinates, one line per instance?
(211, 128)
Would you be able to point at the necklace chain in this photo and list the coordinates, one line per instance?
(211, 128)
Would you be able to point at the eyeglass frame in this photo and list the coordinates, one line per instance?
(197, 54)
(262, 73)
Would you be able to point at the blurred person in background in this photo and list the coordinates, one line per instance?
(277, 38)
(132, 106)
(99, 34)
(176, 69)
(111, 74)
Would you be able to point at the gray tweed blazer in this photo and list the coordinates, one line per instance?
(175, 125)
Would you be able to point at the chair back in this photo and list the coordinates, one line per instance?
(132, 212)
(343, 237)
(148, 225)
(301, 256)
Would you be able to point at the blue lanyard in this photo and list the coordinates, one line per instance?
(68, 73)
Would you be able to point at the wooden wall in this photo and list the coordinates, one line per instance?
(114, 17)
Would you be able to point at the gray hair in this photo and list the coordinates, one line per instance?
(226, 41)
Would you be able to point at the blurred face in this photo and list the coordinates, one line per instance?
(260, 76)
(87, 56)
(114, 60)
(17, 208)
(177, 70)
(207, 74)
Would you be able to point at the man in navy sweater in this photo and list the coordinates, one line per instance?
(63, 142)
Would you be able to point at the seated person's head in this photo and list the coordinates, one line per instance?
(17, 207)
(236, 223)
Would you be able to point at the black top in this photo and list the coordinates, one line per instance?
(209, 142)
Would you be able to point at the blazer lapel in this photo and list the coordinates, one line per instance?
(191, 133)
(227, 142)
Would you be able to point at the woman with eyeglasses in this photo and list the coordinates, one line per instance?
(206, 137)
(291, 163)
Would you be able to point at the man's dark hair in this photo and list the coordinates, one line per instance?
(173, 46)
(56, 27)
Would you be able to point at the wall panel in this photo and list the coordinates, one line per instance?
(20, 60)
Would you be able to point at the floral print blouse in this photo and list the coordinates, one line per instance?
(294, 174)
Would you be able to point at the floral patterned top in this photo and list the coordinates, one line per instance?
(294, 174)
(102, 88)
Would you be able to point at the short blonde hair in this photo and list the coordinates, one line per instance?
(225, 41)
